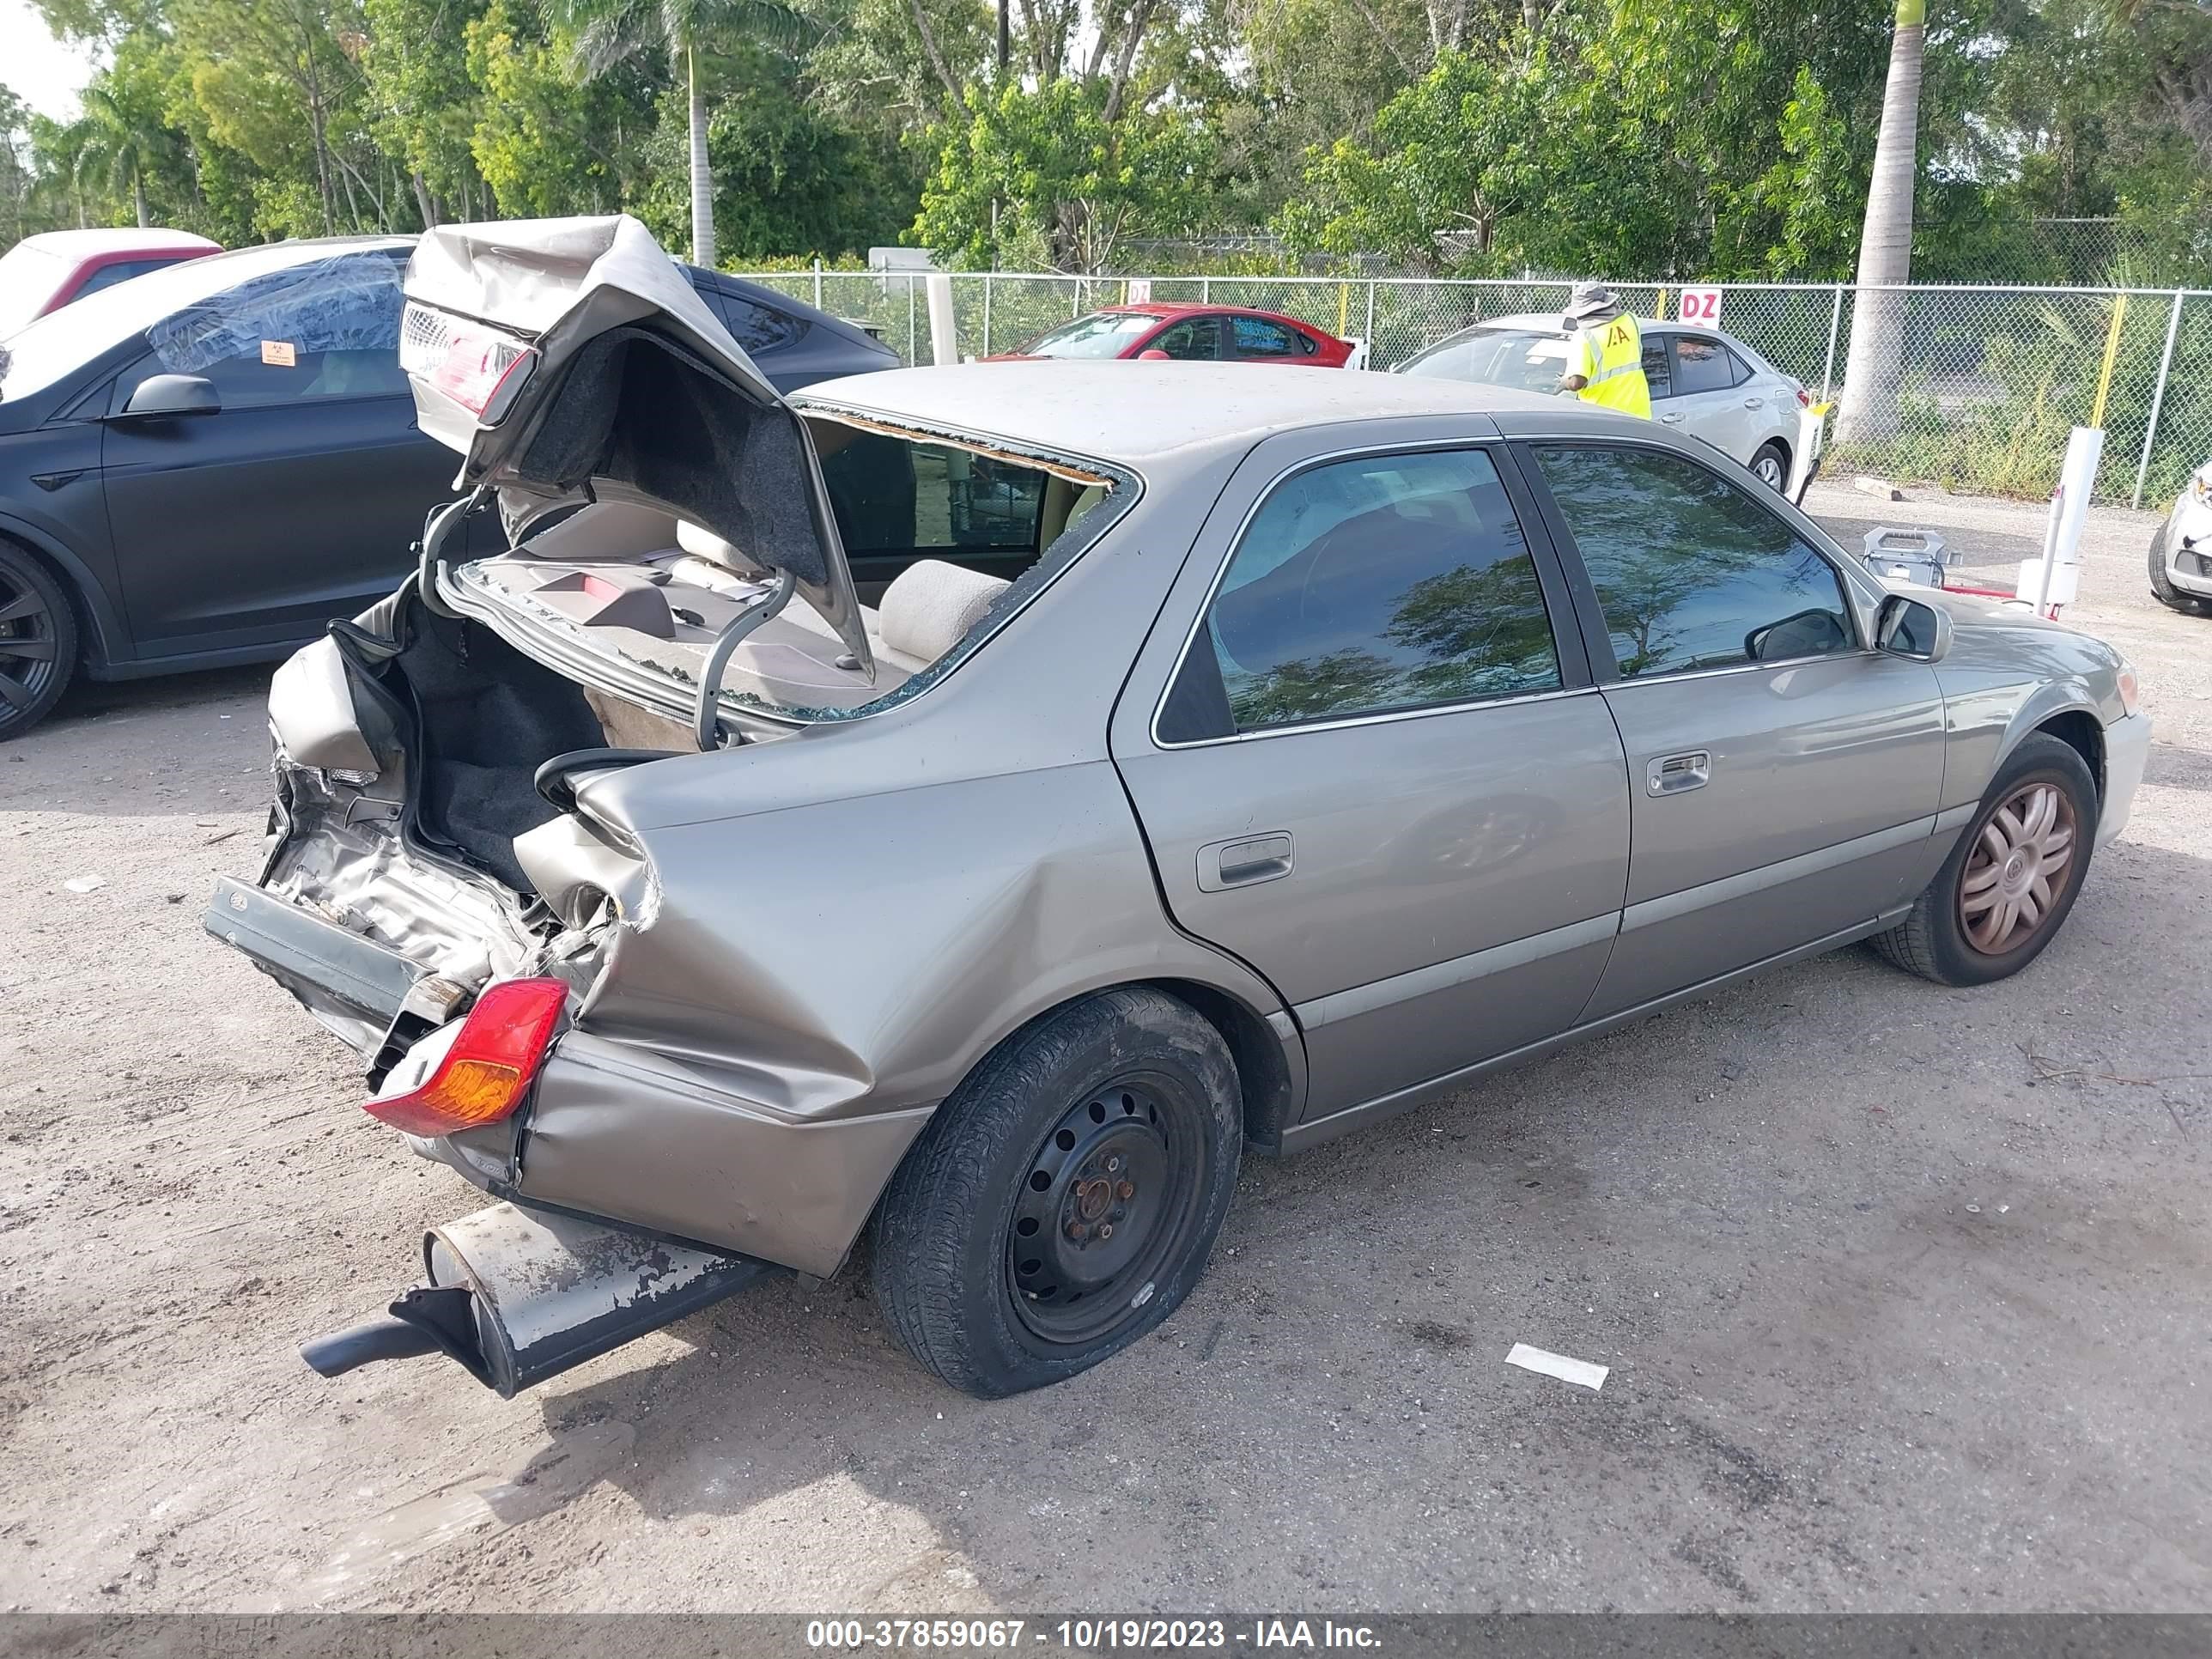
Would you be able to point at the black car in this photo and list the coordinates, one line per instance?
(207, 464)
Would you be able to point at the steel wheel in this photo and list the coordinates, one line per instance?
(2019, 866)
(30, 651)
(1109, 1202)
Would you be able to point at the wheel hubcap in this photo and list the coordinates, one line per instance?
(1103, 1210)
(2022, 860)
(27, 645)
(1768, 471)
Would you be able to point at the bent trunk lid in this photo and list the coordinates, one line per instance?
(619, 385)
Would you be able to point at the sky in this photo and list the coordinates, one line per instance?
(36, 68)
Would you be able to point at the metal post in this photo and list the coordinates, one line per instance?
(2157, 399)
(1371, 320)
(818, 281)
(912, 340)
(987, 314)
(1835, 322)
(1206, 290)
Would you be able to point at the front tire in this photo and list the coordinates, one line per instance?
(1771, 466)
(2161, 585)
(2009, 885)
(1064, 1200)
(38, 642)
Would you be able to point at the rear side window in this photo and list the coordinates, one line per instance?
(1656, 375)
(1702, 364)
(893, 496)
(1386, 582)
(756, 326)
(1256, 336)
(1691, 571)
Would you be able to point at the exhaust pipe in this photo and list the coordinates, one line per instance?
(516, 1295)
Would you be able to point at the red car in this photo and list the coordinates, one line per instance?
(45, 272)
(1228, 334)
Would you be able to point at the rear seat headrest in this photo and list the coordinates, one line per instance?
(705, 544)
(931, 605)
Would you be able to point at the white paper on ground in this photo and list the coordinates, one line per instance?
(1578, 1372)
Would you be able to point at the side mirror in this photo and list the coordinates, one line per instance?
(172, 394)
(1909, 628)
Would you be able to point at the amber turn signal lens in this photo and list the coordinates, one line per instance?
(486, 1072)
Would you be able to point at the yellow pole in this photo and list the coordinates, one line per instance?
(1659, 310)
(2111, 356)
(1343, 308)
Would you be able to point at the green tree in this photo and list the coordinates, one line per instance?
(1064, 169)
(787, 179)
(545, 144)
(610, 32)
(423, 103)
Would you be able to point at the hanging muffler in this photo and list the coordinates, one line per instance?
(516, 1295)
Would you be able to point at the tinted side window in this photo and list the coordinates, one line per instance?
(1656, 373)
(121, 271)
(756, 327)
(1739, 370)
(893, 496)
(1197, 338)
(1256, 336)
(1380, 583)
(1692, 572)
(1701, 364)
(326, 330)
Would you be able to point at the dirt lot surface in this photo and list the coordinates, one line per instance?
(1907, 1292)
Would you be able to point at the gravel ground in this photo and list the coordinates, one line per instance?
(1905, 1291)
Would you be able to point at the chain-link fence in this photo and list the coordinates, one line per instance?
(1988, 381)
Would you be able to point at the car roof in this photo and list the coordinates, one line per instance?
(1136, 411)
(1165, 308)
(77, 244)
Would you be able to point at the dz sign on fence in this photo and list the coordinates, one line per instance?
(1701, 304)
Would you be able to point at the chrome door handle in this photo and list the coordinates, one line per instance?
(1244, 861)
(1675, 419)
(1676, 775)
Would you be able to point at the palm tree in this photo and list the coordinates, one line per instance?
(1876, 364)
(610, 31)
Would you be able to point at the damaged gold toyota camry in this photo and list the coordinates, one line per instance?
(973, 804)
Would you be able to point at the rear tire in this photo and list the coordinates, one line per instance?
(1771, 466)
(2161, 585)
(1956, 933)
(38, 642)
(1064, 1200)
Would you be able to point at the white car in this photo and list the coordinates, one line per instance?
(2181, 551)
(1702, 381)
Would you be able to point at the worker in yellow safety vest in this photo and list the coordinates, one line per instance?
(1605, 353)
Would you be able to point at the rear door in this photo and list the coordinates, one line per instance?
(1784, 777)
(1709, 393)
(1368, 764)
(298, 500)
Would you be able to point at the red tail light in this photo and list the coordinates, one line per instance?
(1804, 398)
(469, 363)
(483, 1076)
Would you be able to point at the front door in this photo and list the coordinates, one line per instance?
(1784, 777)
(296, 502)
(1378, 774)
